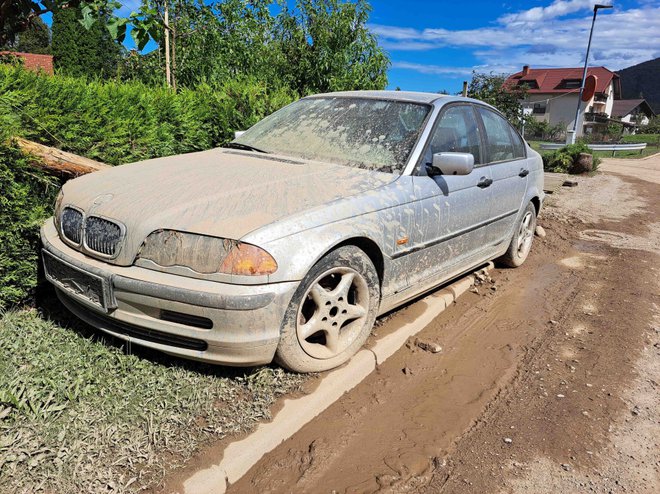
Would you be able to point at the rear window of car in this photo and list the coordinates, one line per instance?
(518, 144)
(499, 144)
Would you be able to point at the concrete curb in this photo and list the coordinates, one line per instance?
(242, 455)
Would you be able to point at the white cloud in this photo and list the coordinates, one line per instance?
(542, 37)
(433, 69)
(407, 45)
(557, 8)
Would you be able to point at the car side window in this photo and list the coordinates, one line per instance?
(498, 136)
(518, 144)
(457, 131)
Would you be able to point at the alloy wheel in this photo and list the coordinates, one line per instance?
(332, 312)
(525, 235)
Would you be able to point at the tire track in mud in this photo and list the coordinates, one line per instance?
(574, 403)
(507, 394)
(391, 433)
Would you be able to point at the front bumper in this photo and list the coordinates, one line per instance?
(136, 305)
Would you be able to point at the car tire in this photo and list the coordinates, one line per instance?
(331, 314)
(521, 242)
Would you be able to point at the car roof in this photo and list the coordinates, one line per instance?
(413, 96)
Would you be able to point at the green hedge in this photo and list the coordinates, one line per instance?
(26, 199)
(108, 121)
(123, 122)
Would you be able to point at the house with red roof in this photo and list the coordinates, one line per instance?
(552, 96)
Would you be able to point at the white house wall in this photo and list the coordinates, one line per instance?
(609, 105)
(560, 108)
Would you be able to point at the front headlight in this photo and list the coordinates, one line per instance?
(205, 254)
(57, 209)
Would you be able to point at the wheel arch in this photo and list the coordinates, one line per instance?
(369, 247)
(536, 200)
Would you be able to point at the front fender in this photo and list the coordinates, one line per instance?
(297, 253)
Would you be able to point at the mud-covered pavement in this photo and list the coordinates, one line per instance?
(547, 380)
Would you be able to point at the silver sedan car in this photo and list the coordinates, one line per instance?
(289, 242)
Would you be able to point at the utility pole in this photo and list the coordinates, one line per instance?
(465, 89)
(173, 71)
(168, 75)
(571, 135)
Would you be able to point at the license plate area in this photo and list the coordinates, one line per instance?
(84, 286)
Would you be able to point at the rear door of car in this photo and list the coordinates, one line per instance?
(506, 160)
(449, 210)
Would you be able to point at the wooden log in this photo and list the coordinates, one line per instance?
(59, 162)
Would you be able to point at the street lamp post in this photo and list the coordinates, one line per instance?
(571, 138)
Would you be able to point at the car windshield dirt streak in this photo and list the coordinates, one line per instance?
(358, 132)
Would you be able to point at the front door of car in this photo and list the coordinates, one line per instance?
(449, 210)
(506, 158)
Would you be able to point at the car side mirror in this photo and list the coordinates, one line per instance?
(451, 164)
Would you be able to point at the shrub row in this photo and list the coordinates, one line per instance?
(108, 121)
(26, 199)
(121, 122)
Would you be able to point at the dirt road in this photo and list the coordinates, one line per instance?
(547, 380)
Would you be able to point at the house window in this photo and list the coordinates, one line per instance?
(539, 109)
(528, 84)
(571, 84)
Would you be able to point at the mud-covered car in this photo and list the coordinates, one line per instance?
(289, 242)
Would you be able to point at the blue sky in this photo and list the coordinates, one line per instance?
(435, 45)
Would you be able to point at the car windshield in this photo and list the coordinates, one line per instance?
(358, 132)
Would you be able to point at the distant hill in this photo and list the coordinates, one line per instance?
(642, 81)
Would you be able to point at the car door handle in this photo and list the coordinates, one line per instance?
(484, 182)
(523, 172)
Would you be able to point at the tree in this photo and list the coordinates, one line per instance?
(83, 52)
(319, 45)
(493, 89)
(653, 127)
(215, 42)
(326, 46)
(17, 16)
(36, 39)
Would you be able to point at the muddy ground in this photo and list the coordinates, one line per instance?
(547, 381)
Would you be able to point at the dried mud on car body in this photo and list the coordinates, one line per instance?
(535, 381)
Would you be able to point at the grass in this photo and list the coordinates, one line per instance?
(79, 414)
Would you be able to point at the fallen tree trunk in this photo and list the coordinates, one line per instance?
(60, 162)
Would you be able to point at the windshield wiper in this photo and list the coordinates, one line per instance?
(245, 147)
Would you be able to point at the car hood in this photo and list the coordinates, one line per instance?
(220, 192)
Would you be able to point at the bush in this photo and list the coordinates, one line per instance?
(563, 160)
(11, 59)
(26, 198)
(543, 130)
(653, 127)
(117, 123)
